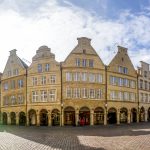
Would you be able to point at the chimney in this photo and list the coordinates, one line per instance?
(84, 41)
(13, 52)
(122, 49)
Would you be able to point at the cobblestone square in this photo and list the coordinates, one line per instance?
(111, 137)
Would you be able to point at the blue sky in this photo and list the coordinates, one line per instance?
(27, 25)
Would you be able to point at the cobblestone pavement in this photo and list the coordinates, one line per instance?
(111, 137)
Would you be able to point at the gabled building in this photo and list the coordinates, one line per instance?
(13, 90)
(122, 92)
(83, 86)
(144, 91)
(44, 89)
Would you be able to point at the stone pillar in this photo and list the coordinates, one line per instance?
(49, 119)
(27, 120)
(129, 116)
(91, 117)
(146, 116)
(138, 115)
(77, 117)
(118, 116)
(17, 118)
(105, 117)
(37, 119)
(62, 117)
(8, 119)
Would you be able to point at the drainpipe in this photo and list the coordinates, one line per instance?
(138, 115)
(61, 105)
(26, 100)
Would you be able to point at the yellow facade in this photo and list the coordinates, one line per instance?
(79, 91)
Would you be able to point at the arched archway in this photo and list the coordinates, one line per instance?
(84, 116)
(4, 118)
(69, 116)
(43, 117)
(133, 115)
(112, 116)
(142, 115)
(13, 118)
(22, 119)
(32, 117)
(55, 117)
(123, 115)
(98, 116)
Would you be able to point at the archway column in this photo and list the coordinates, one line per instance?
(129, 116)
(17, 118)
(9, 119)
(38, 119)
(138, 115)
(27, 119)
(49, 119)
(62, 117)
(91, 117)
(118, 116)
(105, 117)
(146, 114)
(77, 117)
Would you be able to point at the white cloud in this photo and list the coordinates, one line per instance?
(58, 27)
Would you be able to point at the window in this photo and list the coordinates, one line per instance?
(6, 100)
(84, 63)
(84, 76)
(12, 84)
(132, 84)
(76, 93)
(145, 74)
(35, 96)
(146, 98)
(92, 93)
(52, 95)
(78, 62)
(146, 87)
(39, 68)
(43, 96)
(68, 92)
(43, 80)
(20, 83)
(91, 77)
(113, 95)
(132, 96)
(113, 80)
(34, 81)
(142, 97)
(47, 67)
(15, 72)
(99, 78)
(126, 96)
(13, 100)
(120, 81)
(9, 73)
(77, 76)
(126, 82)
(20, 99)
(53, 79)
(91, 63)
(123, 70)
(141, 84)
(99, 93)
(84, 93)
(68, 76)
(120, 95)
(6, 86)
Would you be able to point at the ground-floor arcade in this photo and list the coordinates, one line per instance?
(73, 116)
